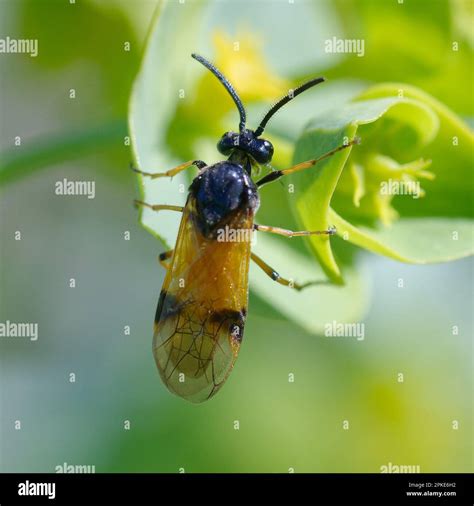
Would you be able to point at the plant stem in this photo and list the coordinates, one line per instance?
(19, 161)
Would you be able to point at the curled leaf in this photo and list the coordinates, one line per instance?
(372, 190)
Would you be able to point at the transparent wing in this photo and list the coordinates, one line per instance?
(201, 313)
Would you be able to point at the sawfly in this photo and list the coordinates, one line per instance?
(202, 308)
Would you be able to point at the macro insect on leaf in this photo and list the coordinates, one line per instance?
(202, 308)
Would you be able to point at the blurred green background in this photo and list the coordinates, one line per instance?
(283, 425)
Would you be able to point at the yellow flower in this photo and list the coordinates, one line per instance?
(376, 178)
(242, 61)
(206, 112)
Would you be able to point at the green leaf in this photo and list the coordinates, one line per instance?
(48, 150)
(402, 129)
(408, 240)
(316, 305)
(152, 105)
(451, 153)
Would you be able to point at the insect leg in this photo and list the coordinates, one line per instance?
(293, 233)
(276, 277)
(172, 172)
(158, 207)
(162, 257)
(273, 176)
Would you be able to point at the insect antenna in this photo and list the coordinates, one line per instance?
(227, 86)
(284, 100)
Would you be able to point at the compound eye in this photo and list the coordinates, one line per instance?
(263, 152)
(227, 143)
(269, 149)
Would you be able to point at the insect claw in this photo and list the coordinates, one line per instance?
(316, 282)
(332, 230)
